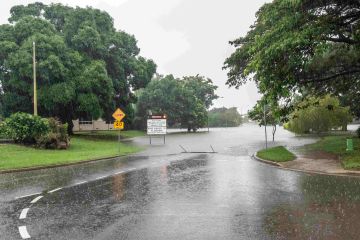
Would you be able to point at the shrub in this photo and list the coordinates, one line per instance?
(28, 129)
(358, 132)
(25, 128)
(2, 130)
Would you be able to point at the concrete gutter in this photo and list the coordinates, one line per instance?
(343, 173)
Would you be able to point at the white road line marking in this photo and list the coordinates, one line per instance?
(36, 199)
(24, 213)
(29, 195)
(120, 172)
(55, 190)
(23, 232)
(98, 178)
(131, 169)
(80, 182)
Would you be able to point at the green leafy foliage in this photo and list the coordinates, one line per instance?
(29, 129)
(85, 67)
(25, 128)
(57, 136)
(224, 117)
(319, 115)
(184, 101)
(303, 45)
(267, 112)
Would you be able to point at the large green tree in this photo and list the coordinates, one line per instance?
(85, 67)
(185, 101)
(224, 117)
(318, 115)
(311, 45)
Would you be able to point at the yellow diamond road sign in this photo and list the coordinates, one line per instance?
(118, 124)
(118, 114)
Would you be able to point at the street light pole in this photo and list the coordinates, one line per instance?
(35, 91)
(208, 121)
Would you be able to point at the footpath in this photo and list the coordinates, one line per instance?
(316, 162)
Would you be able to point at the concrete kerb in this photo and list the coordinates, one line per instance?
(348, 173)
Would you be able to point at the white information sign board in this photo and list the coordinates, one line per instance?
(156, 126)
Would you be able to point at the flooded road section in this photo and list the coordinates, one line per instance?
(165, 194)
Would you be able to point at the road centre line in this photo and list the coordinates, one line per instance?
(24, 213)
(102, 177)
(80, 182)
(23, 232)
(36, 199)
(55, 190)
(29, 195)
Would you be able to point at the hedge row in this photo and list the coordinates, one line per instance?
(28, 129)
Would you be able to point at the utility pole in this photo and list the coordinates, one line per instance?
(207, 114)
(35, 91)
(266, 145)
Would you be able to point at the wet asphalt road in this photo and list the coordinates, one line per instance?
(165, 194)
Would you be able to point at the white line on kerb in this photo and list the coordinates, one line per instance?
(55, 190)
(29, 195)
(120, 172)
(36, 199)
(24, 213)
(23, 232)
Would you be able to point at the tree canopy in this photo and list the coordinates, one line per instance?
(185, 101)
(269, 113)
(311, 45)
(224, 117)
(319, 115)
(85, 67)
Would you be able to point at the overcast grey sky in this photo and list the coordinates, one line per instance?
(183, 37)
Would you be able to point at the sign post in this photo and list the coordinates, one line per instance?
(118, 115)
(156, 125)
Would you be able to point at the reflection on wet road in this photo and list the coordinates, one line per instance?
(184, 196)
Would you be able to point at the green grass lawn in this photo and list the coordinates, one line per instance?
(337, 145)
(81, 149)
(276, 154)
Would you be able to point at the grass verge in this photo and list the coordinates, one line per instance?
(337, 145)
(110, 135)
(276, 154)
(81, 149)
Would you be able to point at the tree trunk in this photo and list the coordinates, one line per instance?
(70, 126)
(273, 132)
